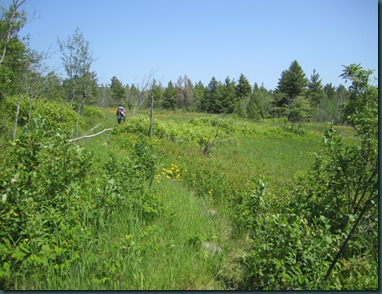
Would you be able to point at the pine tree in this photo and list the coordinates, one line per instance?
(243, 88)
(329, 91)
(169, 97)
(291, 84)
(259, 104)
(117, 90)
(208, 104)
(199, 92)
(315, 91)
(229, 98)
(156, 91)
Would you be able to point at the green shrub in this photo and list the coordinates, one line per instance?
(54, 197)
(59, 114)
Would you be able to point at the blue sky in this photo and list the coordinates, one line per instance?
(206, 38)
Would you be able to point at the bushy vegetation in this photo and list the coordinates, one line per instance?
(237, 194)
(55, 198)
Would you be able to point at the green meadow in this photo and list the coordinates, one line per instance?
(175, 211)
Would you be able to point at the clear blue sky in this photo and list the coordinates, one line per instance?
(206, 38)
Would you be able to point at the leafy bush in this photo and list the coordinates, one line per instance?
(330, 225)
(53, 197)
(59, 114)
(43, 196)
(93, 115)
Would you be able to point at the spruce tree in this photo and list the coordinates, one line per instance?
(169, 97)
(229, 98)
(243, 88)
(291, 84)
(208, 104)
(117, 90)
(315, 91)
(199, 92)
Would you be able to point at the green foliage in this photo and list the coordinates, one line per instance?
(117, 91)
(125, 217)
(330, 221)
(43, 197)
(243, 88)
(315, 92)
(12, 20)
(169, 97)
(287, 253)
(291, 84)
(53, 196)
(58, 114)
(81, 82)
(259, 103)
(297, 111)
(92, 115)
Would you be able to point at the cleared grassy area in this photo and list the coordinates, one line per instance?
(192, 243)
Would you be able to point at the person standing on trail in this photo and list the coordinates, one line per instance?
(121, 114)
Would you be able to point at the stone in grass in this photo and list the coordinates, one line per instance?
(212, 247)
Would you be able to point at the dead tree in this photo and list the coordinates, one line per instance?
(142, 91)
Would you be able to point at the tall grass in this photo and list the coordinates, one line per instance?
(192, 243)
(125, 254)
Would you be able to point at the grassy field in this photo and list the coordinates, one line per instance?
(175, 250)
(189, 235)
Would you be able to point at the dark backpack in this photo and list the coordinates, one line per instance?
(121, 113)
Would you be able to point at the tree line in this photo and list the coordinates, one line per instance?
(297, 97)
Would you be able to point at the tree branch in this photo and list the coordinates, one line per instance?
(89, 136)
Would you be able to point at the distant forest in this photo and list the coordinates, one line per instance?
(297, 97)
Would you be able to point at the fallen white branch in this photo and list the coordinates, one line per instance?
(93, 128)
(89, 136)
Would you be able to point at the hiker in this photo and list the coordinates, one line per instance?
(121, 114)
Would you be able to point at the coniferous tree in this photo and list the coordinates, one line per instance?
(169, 97)
(243, 93)
(199, 92)
(243, 88)
(156, 92)
(259, 104)
(291, 84)
(208, 104)
(117, 90)
(228, 99)
(315, 92)
(341, 97)
(329, 91)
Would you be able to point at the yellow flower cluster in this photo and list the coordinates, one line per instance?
(174, 172)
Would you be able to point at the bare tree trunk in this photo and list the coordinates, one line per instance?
(17, 115)
(348, 237)
(80, 107)
(144, 85)
(15, 5)
(18, 107)
(151, 116)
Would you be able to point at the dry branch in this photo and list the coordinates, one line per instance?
(89, 136)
